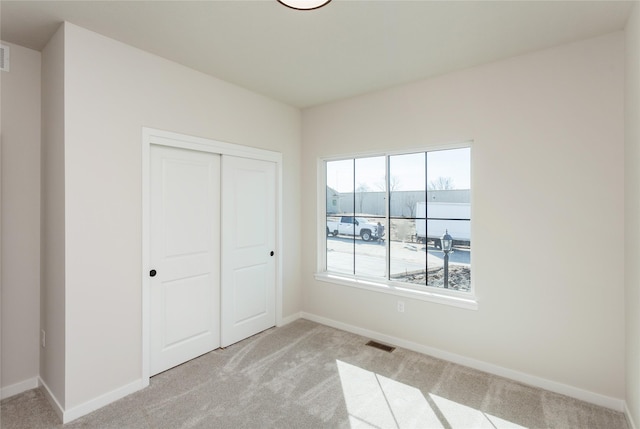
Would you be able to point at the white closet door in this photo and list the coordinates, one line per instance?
(248, 247)
(185, 253)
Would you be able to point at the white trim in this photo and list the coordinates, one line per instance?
(19, 387)
(532, 380)
(59, 410)
(289, 319)
(92, 405)
(321, 216)
(168, 138)
(437, 295)
(279, 239)
(101, 401)
(152, 136)
(146, 252)
(458, 144)
(627, 414)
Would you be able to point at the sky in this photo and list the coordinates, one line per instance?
(406, 171)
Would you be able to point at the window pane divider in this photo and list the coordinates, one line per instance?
(387, 240)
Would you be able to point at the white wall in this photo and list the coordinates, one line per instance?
(548, 206)
(111, 92)
(53, 299)
(632, 215)
(20, 89)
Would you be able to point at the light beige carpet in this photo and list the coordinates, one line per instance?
(306, 375)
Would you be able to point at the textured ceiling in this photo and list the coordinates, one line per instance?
(306, 58)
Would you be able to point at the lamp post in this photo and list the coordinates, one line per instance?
(447, 242)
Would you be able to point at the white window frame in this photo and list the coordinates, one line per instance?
(467, 299)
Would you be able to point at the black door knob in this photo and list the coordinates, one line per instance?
(271, 253)
(153, 273)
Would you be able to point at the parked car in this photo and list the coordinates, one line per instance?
(355, 226)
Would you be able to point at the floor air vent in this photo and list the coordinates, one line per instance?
(380, 346)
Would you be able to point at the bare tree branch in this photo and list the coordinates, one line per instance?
(441, 184)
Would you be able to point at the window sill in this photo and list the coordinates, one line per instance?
(468, 301)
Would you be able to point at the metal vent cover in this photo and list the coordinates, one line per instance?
(380, 346)
(4, 58)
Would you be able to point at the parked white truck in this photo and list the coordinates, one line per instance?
(452, 217)
(354, 226)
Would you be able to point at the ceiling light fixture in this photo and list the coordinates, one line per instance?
(304, 4)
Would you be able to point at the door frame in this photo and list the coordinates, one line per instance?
(151, 136)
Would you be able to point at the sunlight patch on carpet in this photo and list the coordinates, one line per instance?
(462, 416)
(375, 401)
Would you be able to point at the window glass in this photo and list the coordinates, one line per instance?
(339, 251)
(449, 211)
(406, 190)
(407, 184)
(387, 216)
(370, 195)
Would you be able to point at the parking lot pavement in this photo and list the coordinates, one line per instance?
(370, 256)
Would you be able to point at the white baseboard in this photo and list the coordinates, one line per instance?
(101, 401)
(532, 380)
(627, 414)
(66, 416)
(289, 319)
(59, 410)
(17, 388)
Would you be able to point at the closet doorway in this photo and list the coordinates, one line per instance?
(212, 270)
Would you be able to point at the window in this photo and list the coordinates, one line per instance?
(386, 216)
